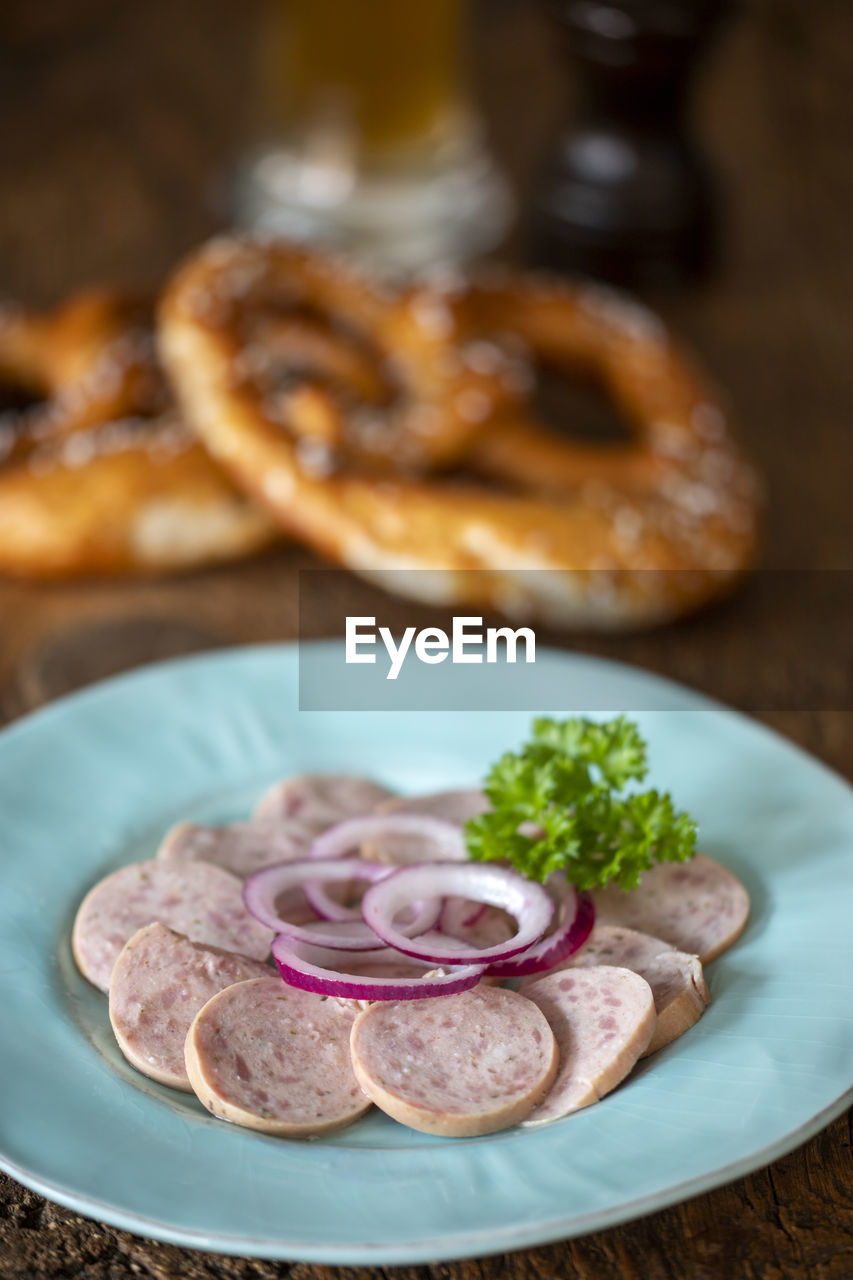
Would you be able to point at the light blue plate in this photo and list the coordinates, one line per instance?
(94, 781)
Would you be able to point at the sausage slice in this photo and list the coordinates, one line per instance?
(475, 924)
(270, 1057)
(699, 906)
(603, 1020)
(197, 899)
(239, 847)
(453, 806)
(677, 980)
(243, 848)
(159, 982)
(314, 802)
(456, 1065)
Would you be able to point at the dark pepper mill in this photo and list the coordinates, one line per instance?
(627, 195)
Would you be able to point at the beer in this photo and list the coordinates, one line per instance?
(387, 73)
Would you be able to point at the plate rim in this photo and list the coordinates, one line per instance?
(420, 1252)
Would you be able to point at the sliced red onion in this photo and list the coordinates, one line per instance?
(420, 917)
(261, 891)
(576, 916)
(527, 901)
(327, 907)
(446, 838)
(309, 967)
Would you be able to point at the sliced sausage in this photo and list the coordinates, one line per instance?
(677, 980)
(313, 802)
(244, 848)
(453, 806)
(456, 1065)
(159, 982)
(271, 1057)
(240, 847)
(476, 924)
(603, 1020)
(197, 899)
(698, 906)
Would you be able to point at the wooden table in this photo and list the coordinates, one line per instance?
(117, 123)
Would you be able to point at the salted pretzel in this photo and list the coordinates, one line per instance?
(681, 448)
(425, 405)
(622, 540)
(98, 473)
(82, 364)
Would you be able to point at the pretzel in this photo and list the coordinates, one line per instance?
(100, 475)
(679, 434)
(85, 363)
(681, 501)
(431, 404)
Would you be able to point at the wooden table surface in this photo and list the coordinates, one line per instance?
(118, 122)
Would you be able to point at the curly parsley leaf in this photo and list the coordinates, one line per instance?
(560, 804)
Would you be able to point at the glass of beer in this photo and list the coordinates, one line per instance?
(372, 144)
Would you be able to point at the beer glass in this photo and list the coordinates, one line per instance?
(372, 144)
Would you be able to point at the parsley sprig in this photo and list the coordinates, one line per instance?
(560, 803)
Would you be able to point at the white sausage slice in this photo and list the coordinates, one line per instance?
(194, 898)
(698, 906)
(313, 802)
(270, 1057)
(677, 980)
(475, 924)
(452, 806)
(239, 847)
(159, 982)
(603, 1020)
(456, 1065)
(243, 848)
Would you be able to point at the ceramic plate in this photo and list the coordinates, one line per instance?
(94, 781)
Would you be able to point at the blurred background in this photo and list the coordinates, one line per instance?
(131, 132)
(124, 126)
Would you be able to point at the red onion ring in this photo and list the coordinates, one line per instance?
(261, 890)
(346, 836)
(422, 916)
(527, 901)
(306, 966)
(324, 906)
(576, 916)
